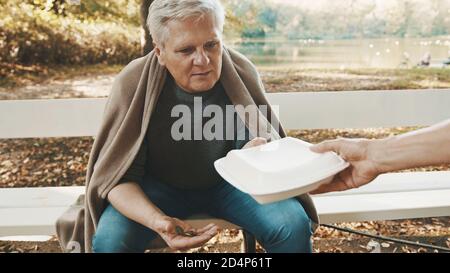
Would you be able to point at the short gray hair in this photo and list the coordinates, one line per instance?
(161, 12)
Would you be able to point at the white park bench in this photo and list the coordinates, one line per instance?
(33, 211)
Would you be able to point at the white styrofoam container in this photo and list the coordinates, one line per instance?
(278, 170)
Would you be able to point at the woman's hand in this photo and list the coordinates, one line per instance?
(255, 142)
(181, 236)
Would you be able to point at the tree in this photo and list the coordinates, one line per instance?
(146, 41)
(269, 17)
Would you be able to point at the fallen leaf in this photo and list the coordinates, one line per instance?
(7, 163)
(373, 247)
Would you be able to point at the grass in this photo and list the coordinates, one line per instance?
(294, 80)
(413, 74)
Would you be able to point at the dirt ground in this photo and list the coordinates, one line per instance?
(435, 231)
(96, 81)
(63, 161)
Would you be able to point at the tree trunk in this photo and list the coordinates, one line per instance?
(146, 40)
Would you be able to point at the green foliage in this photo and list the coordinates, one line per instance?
(249, 14)
(126, 11)
(34, 32)
(269, 17)
(343, 19)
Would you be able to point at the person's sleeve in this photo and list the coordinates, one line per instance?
(136, 171)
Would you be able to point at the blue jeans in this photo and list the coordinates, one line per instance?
(279, 227)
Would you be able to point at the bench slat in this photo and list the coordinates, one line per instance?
(65, 196)
(402, 182)
(29, 221)
(33, 211)
(50, 118)
(331, 209)
(361, 109)
(306, 110)
(39, 197)
(383, 206)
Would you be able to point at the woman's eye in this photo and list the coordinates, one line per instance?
(186, 50)
(210, 45)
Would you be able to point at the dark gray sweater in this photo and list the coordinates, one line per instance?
(185, 163)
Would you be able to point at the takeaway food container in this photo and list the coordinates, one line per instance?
(278, 170)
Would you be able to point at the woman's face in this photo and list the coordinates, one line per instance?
(192, 53)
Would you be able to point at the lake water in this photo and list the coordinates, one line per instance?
(367, 53)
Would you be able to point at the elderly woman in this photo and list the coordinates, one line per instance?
(142, 179)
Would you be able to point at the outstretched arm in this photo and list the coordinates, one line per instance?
(369, 158)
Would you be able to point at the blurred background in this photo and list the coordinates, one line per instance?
(373, 37)
(52, 49)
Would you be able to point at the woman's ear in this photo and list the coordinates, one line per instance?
(160, 55)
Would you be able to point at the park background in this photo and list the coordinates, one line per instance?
(52, 49)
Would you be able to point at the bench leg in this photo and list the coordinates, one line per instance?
(249, 243)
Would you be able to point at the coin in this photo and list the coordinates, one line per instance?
(179, 230)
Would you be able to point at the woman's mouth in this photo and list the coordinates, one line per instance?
(201, 74)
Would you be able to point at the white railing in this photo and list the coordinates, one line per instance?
(300, 110)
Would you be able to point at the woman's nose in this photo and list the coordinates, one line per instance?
(201, 58)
